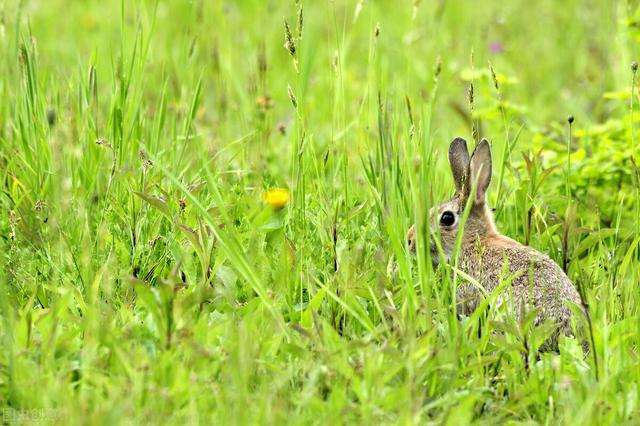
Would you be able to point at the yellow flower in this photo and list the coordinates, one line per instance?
(89, 22)
(277, 198)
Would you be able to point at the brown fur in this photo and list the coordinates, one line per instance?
(539, 282)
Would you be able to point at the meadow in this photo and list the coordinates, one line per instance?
(205, 204)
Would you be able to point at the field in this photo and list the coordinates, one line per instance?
(205, 204)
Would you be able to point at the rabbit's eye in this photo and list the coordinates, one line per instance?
(447, 218)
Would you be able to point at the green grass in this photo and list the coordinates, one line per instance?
(145, 279)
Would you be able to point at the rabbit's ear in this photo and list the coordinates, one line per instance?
(459, 161)
(481, 169)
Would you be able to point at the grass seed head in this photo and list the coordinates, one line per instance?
(300, 22)
(409, 109)
(634, 66)
(263, 65)
(494, 77)
(292, 97)
(289, 43)
(144, 157)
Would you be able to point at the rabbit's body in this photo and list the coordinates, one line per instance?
(537, 282)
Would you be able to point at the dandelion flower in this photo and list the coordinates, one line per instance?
(277, 198)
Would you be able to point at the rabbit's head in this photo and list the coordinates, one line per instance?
(471, 175)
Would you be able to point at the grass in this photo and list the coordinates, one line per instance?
(153, 272)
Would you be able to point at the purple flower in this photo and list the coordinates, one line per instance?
(496, 47)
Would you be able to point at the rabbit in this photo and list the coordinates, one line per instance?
(539, 281)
